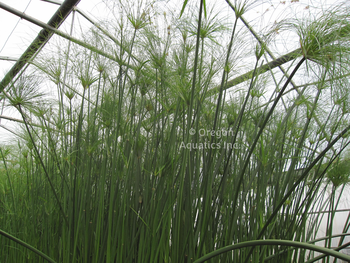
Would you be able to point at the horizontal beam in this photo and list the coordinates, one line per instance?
(53, 2)
(10, 118)
(260, 70)
(8, 58)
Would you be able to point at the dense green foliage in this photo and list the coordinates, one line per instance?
(171, 150)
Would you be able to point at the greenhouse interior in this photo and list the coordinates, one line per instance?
(174, 131)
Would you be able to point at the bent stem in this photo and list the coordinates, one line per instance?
(270, 242)
(26, 245)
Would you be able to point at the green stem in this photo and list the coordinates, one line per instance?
(36, 251)
(42, 164)
(273, 242)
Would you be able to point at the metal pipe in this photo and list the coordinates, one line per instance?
(53, 2)
(8, 58)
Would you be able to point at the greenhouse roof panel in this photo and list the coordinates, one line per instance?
(21, 35)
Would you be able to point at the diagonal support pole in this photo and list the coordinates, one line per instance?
(39, 42)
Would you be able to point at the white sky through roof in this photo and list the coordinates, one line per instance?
(16, 34)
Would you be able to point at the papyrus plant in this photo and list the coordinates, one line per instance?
(182, 139)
